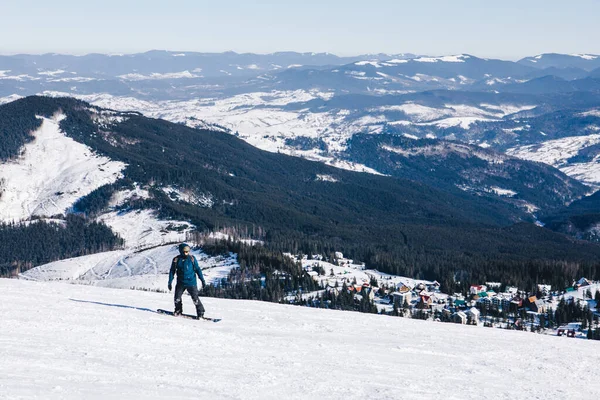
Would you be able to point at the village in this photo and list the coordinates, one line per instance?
(570, 312)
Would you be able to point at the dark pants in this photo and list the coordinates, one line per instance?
(193, 291)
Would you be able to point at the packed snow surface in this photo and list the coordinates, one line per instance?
(142, 228)
(147, 269)
(51, 174)
(62, 341)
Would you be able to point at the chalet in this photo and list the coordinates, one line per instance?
(425, 299)
(538, 306)
(474, 314)
(433, 286)
(582, 282)
(404, 289)
(531, 299)
(477, 289)
(400, 298)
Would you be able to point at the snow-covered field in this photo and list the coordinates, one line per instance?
(147, 269)
(51, 174)
(557, 153)
(62, 341)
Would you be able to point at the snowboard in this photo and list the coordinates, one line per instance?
(189, 316)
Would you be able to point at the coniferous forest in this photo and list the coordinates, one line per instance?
(392, 224)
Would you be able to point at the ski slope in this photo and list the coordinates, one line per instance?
(125, 269)
(63, 341)
(52, 173)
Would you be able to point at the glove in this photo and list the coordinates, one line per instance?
(170, 287)
(203, 283)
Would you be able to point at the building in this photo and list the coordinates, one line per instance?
(460, 317)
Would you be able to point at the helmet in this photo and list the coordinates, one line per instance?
(183, 247)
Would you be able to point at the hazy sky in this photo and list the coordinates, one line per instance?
(506, 29)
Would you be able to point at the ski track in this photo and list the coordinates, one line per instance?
(74, 342)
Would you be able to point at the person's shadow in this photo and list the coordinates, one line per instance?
(113, 305)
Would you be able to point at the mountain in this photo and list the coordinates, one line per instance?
(268, 350)
(580, 219)
(167, 179)
(161, 75)
(452, 165)
(586, 62)
(554, 84)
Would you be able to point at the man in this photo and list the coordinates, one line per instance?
(186, 267)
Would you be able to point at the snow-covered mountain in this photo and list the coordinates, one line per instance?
(160, 75)
(587, 62)
(74, 341)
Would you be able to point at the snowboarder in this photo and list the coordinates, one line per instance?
(186, 267)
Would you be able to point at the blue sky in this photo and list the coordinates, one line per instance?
(503, 29)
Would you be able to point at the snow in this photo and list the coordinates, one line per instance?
(372, 63)
(462, 122)
(120, 197)
(326, 178)
(142, 228)
(125, 269)
(264, 127)
(591, 113)
(585, 56)
(74, 341)
(457, 58)
(503, 192)
(397, 61)
(188, 196)
(8, 99)
(52, 173)
(508, 109)
(157, 75)
(443, 149)
(557, 152)
(52, 73)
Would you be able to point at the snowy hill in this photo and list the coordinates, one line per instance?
(73, 342)
(52, 173)
(147, 269)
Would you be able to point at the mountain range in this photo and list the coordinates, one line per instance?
(455, 154)
(124, 168)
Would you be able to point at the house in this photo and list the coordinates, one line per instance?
(425, 300)
(474, 314)
(460, 303)
(477, 289)
(538, 306)
(460, 317)
(433, 286)
(369, 292)
(400, 298)
(485, 301)
(545, 289)
(512, 290)
(404, 289)
(313, 274)
(582, 282)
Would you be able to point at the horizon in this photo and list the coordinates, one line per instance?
(511, 30)
(118, 54)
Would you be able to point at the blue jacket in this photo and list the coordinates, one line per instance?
(186, 268)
